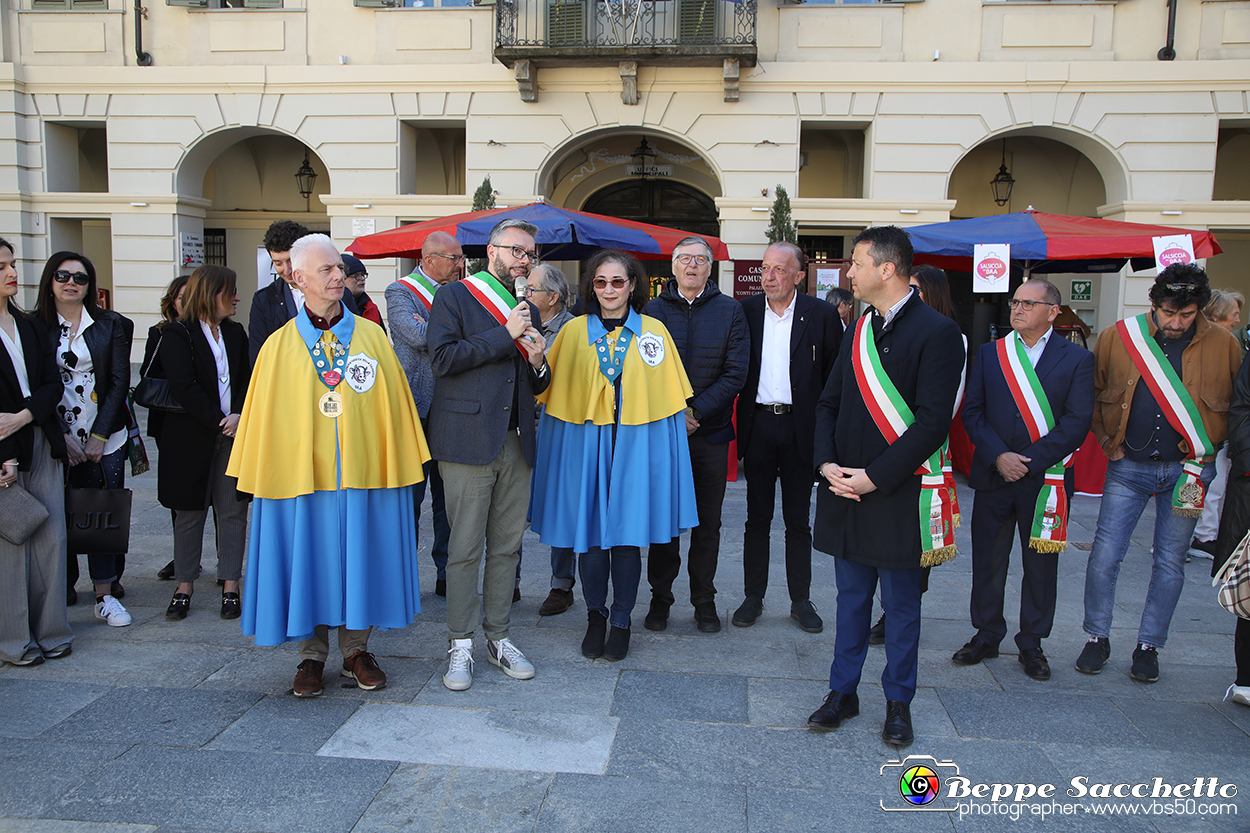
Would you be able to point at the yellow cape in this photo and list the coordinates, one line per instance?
(579, 393)
(286, 448)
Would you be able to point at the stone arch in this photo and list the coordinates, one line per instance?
(267, 154)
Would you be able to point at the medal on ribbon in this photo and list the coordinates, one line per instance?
(329, 358)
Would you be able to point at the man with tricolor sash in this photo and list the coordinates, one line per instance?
(882, 507)
(1163, 383)
(489, 361)
(1028, 407)
(408, 304)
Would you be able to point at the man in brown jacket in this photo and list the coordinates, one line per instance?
(1163, 381)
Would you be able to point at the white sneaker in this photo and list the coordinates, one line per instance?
(509, 659)
(459, 674)
(1238, 694)
(112, 612)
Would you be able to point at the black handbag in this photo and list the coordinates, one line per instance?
(153, 393)
(97, 520)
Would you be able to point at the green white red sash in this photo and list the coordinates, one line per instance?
(1050, 514)
(1189, 496)
(422, 287)
(491, 294)
(893, 416)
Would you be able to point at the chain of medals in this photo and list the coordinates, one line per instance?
(611, 353)
(329, 357)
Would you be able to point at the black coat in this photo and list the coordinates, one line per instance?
(151, 368)
(273, 306)
(815, 335)
(186, 441)
(1235, 521)
(923, 354)
(714, 345)
(108, 341)
(45, 392)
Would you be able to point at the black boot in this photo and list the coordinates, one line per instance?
(596, 630)
(618, 644)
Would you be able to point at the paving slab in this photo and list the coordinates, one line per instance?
(1184, 727)
(712, 698)
(272, 671)
(63, 826)
(119, 662)
(283, 723)
(1039, 717)
(557, 688)
(30, 707)
(447, 799)
(772, 810)
(485, 738)
(170, 717)
(579, 803)
(227, 792)
(37, 772)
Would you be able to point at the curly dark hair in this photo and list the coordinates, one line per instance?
(282, 234)
(1182, 284)
(638, 296)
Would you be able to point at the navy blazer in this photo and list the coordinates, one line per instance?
(273, 306)
(476, 364)
(994, 423)
(815, 336)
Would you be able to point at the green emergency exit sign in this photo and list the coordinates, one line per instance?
(1082, 290)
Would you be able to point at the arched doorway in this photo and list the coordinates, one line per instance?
(659, 202)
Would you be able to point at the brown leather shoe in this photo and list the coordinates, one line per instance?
(557, 601)
(363, 668)
(308, 678)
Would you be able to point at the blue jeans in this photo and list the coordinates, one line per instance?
(563, 568)
(1129, 486)
(625, 566)
(442, 529)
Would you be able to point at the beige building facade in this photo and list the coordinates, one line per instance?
(867, 113)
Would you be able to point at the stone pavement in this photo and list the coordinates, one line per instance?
(186, 726)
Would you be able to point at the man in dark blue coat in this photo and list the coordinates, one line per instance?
(711, 336)
(1009, 468)
(867, 509)
(794, 342)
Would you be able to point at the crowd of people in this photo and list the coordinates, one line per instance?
(606, 424)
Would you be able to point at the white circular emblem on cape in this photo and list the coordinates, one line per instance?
(361, 372)
(651, 348)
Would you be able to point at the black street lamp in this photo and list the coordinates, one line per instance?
(306, 177)
(1002, 181)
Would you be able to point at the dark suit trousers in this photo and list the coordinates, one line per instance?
(773, 453)
(900, 597)
(710, 464)
(996, 515)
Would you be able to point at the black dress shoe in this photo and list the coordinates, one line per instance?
(836, 708)
(976, 650)
(705, 618)
(897, 730)
(876, 634)
(596, 632)
(805, 614)
(748, 612)
(166, 573)
(178, 606)
(118, 592)
(657, 617)
(231, 606)
(440, 587)
(1035, 664)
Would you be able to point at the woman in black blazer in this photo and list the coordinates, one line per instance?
(33, 624)
(205, 358)
(92, 349)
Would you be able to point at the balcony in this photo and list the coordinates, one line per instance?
(534, 33)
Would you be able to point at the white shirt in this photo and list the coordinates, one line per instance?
(14, 348)
(299, 298)
(1035, 352)
(223, 367)
(893, 311)
(80, 403)
(774, 386)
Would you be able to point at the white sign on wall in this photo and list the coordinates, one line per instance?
(362, 226)
(991, 269)
(827, 279)
(192, 250)
(264, 268)
(1174, 248)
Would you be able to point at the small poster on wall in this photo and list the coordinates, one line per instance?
(990, 271)
(1174, 248)
(826, 279)
(747, 278)
(192, 250)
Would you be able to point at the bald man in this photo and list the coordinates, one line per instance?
(408, 302)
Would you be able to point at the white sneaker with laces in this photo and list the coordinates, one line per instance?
(509, 659)
(112, 612)
(459, 674)
(1238, 694)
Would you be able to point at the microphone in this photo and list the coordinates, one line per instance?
(520, 286)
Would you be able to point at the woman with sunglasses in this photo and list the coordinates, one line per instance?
(612, 442)
(33, 625)
(205, 358)
(93, 354)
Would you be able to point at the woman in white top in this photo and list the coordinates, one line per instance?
(33, 624)
(92, 347)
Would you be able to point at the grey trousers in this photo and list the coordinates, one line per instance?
(32, 575)
(486, 506)
(318, 647)
(231, 524)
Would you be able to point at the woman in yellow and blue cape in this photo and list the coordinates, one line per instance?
(612, 445)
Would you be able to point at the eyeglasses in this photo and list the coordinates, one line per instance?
(79, 278)
(617, 283)
(1027, 306)
(522, 253)
(529, 291)
(697, 260)
(359, 276)
(70, 358)
(457, 259)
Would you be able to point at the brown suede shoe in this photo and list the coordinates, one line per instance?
(308, 679)
(557, 602)
(363, 668)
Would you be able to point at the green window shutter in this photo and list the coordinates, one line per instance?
(81, 5)
(262, 4)
(696, 21)
(566, 21)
